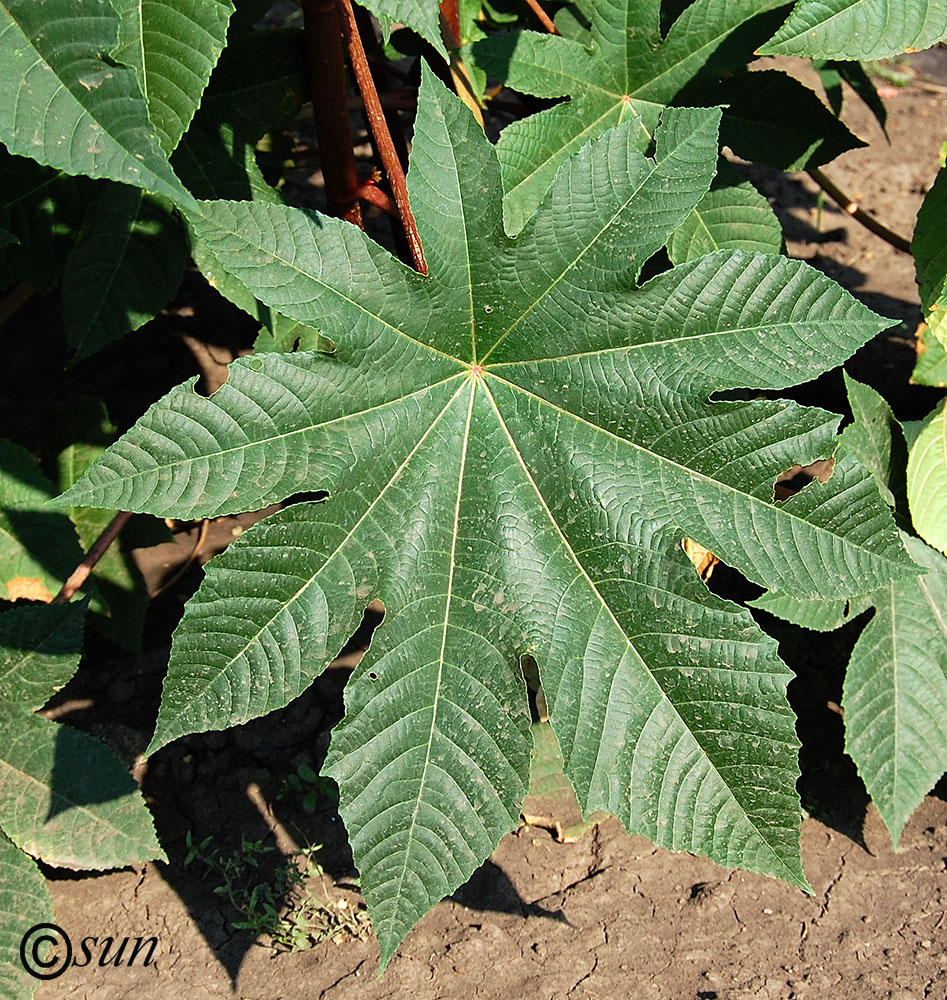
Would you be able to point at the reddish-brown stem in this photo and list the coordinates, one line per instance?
(858, 213)
(544, 18)
(379, 127)
(81, 573)
(375, 196)
(324, 56)
(450, 12)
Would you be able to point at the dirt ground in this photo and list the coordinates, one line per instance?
(606, 917)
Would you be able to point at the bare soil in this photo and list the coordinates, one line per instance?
(609, 916)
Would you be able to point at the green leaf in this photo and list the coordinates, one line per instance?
(117, 578)
(876, 440)
(259, 83)
(24, 901)
(281, 334)
(64, 797)
(773, 118)
(858, 29)
(931, 365)
(38, 546)
(820, 616)
(513, 446)
(832, 72)
(733, 215)
(927, 480)
(895, 694)
(172, 46)
(127, 264)
(930, 257)
(421, 16)
(619, 69)
(43, 209)
(77, 110)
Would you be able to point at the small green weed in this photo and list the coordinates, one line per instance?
(308, 787)
(278, 900)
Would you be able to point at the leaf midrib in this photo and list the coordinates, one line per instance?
(260, 442)
(448, 597)
(331, 289)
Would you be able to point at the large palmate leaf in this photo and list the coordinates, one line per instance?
(859, 29)
(621, 67)
(895, 693)
(514, 446)
(24, 901)
(127, 264)
(927, 479)
(68, 104)
(172, 46)
(64, 797)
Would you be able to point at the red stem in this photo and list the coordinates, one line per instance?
(544, 18)
(450, 12)
(375, 196)
(81, 573)
(379, 127)
(330, 110)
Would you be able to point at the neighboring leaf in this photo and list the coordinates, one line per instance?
(281, 334)
(927, 480)
(259, 83)
(513, 447)
(214, 162)
(24, 901)
(421, 16)
(858, 29)
(895, 694)
(876, 440)
(38, 545)
(931, 365)
(832, 72)
(733, 215)
(42, 209)
(930, 257)
(64, 797)
(621, 68)
(127, 264)
(773, 118)
(117, 577)
(172, 45)
(820, 616)
(73, 108)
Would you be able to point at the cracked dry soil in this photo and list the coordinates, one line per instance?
(609, 916)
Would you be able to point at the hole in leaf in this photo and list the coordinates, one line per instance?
(361, 639)
(703, 559)
(798, 477)
(372, 675)
(305, 496)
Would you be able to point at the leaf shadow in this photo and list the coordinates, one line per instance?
(490, 889)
